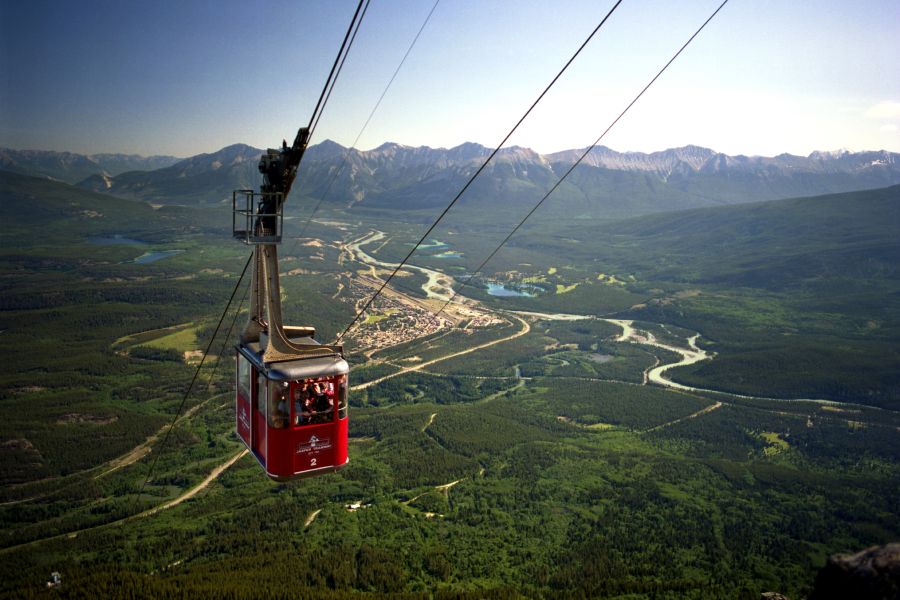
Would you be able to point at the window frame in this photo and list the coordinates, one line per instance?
(297, 390)
(278, 390)
(245, 377)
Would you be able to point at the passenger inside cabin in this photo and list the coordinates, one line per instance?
(302, 405)
(342, 397)
(324, 402)
(307, 411)
(298, 405)
(314, 402)
(280, 406)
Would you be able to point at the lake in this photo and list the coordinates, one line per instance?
(151, 257)
(116, 240)
(497, 289)
(600, 358)
(432, 245)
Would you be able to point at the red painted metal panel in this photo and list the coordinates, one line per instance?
(315, 440)
(309, 438)
(314, 447)
(259, 418)
(242, 412)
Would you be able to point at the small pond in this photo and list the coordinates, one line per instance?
(115, 240)
(600, 358)
(151, 257)
(432, 245)
(498, 289)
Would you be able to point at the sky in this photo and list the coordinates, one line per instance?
(190, 76)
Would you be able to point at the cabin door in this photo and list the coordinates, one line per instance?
(259, 418)
(243, 405)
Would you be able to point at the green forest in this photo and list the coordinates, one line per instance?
(542, 466)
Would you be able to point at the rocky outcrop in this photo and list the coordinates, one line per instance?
(873, 574)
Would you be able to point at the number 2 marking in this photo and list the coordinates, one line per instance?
(312, 462)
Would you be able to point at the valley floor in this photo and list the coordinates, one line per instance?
(493, 453)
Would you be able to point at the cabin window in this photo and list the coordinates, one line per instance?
(342, 397)
(279, 403)
(245, 385)
(261, 395)
(313, 402)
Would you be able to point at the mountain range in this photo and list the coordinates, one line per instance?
(393, 176)
(70, 167)
(200, 179)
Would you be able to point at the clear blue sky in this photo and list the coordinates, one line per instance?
(184, 77)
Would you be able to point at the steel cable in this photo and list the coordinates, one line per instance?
(477, 173)
(346, 155)
(580, 159)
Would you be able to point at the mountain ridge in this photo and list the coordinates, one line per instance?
(71, 167)
(607, 184)
(199, 179)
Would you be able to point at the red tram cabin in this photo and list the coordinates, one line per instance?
(291, 392)
(292, 415)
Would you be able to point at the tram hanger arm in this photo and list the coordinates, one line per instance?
(296, 155)
(279, 167)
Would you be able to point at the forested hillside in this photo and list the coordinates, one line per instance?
(544, 465)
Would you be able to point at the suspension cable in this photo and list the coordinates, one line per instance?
(227, 337)
(335, 68)
(317, 113)
(340, 67)
(580, 159)
(194, 379)
(477, 173)
(384, 92)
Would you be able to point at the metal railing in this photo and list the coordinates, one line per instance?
(256, 217)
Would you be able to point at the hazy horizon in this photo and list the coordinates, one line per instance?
(178, 79)
(434, 147)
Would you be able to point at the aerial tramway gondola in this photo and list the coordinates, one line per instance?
(291, 391)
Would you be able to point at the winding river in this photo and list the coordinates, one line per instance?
(438, 286)
(689, 356)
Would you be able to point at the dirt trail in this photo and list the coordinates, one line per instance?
(312, 517)
(443, 488)
(446, 487)
(197, 488)
(430, 421)
(216, 472)
(133, 456)
(143, 449)
(129, 458)
(702, 411)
